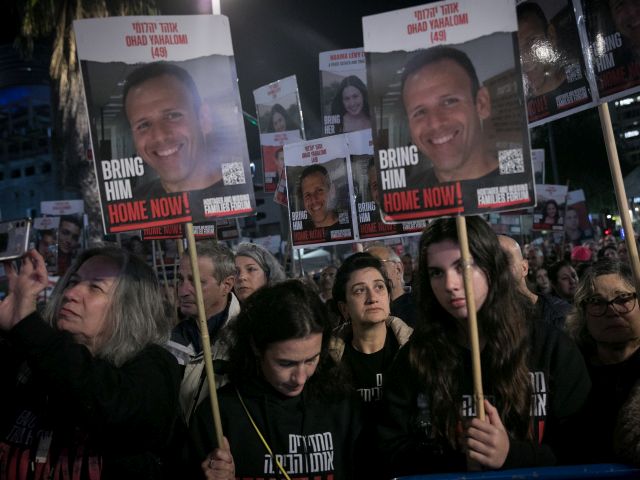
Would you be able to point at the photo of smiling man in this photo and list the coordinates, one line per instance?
(447, 109)
(317, 195)
(169, 124)
(167, 129)
(319, 191)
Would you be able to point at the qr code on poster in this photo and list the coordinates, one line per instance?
(233, 173)
(511, 161)
(573, 72)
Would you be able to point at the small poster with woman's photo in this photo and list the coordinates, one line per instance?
(280, 122)
(319, 191)
(343, 91)
(550, 210)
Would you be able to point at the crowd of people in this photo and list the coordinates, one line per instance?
(364, 373)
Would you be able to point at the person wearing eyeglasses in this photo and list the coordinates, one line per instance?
(606, 327)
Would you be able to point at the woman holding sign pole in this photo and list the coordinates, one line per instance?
(428, 423)
(287, 412)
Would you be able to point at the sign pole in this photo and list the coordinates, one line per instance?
(621, 194)
(204, 333)
(474, 342)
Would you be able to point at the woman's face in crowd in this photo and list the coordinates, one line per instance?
(445, 275)
(542, 280)
(367, 298)
(279, 122)
(567, 282)
(615, 325)
(287, 365)
(249, 277)
(352, 100)
(552, 211)
(86, 301)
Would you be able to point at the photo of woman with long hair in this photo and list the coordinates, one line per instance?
(352, 104)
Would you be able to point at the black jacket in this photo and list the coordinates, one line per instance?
(116, 421)
(312, 438)
(560, 386)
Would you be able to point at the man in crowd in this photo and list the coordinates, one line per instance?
(402, 303)
(327, 279)
(445, 107)
(217, 276)
(550, 309)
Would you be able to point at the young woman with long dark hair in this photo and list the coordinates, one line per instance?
(429, 422)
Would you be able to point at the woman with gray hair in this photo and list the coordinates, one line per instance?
(255, 268)
(88, 385)
(606, 327)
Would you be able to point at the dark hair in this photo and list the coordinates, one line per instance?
(532, 10)
(602, 252)
(554, 269)
(546, 205)
(438, 54)
(357, 261)
(337, 105)
(277, 108)
(284, 311)
(434, 355)
(157, 69)
(74, 219)
(576, 323)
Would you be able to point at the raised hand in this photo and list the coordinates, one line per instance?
(24, 288)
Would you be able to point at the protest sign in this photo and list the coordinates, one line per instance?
(553, 68)
(166, 121)
(62, 207)
(613, 45)
(449, 124)
(279, 122)
(343, 91)
(549, 213)
(319, 191)
(366, 193)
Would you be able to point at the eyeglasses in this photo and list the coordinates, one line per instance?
(624, 303)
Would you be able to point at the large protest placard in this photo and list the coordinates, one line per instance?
(279, 122)
(613, 38)
(166, 121)
(343, 91)
(449, 124)
(549, 213)
(553, 69)
(319, 191)
(366, 192)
